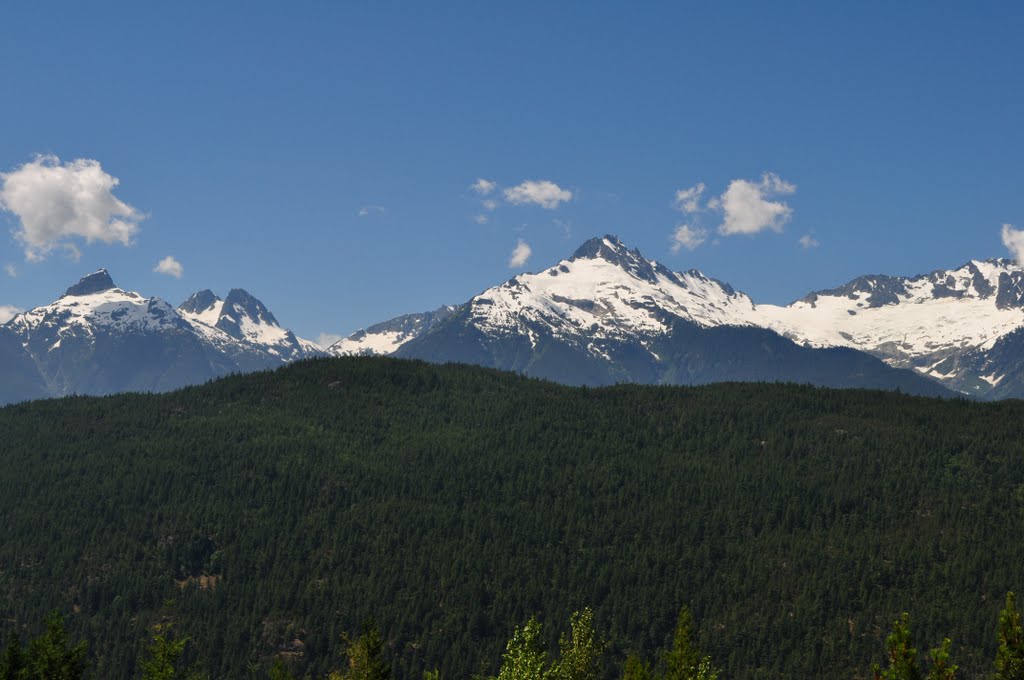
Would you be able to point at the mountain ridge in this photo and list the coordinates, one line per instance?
(603, 315)
(942, 325)
(98, 338)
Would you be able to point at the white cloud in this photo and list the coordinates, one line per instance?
(7, 312)
(747, 208)
(687, 237)
(368, 210)
(688, 200)
(1013, 239)
(807, 242)
(325, 340)
(11, 270)
(480, 219)
(544, 193)
(169, 266)
(56, 202)
(520, 254)
(489, 204)
(483, 186)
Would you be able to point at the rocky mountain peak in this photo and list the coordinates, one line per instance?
(239, 305)
(97, 282)
(199, 302)
(606, 247)
(610, 249)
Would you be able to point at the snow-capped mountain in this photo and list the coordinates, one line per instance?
(604, 292)
(962, 328)
(951, 325)
(607, 314)
(246, 320)
(99, 339)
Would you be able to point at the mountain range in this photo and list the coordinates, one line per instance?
(608, 314)
(603, 316)
(100, 339)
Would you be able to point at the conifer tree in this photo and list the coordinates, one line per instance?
(684, 661)
(1010, 636)
(163, 655)
(366, 656)
(635, 669)
(901, 653)
(941, 668)
(50, 657)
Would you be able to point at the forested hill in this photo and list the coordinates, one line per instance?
(271, 512)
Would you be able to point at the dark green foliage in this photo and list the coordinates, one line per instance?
(942, 668)
(902, 657)
(51, 657)
(279, 671)
(635, 669)
(163, 659)
(280, 509)
(684, 661)
(366, 656)
(13, 661)
(1010, 637)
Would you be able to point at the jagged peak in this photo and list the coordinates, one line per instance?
(610, 249)
(607, 247)
(199, 301)
(97, 282)
(240, 302)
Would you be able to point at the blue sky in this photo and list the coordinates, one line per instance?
(247, 141)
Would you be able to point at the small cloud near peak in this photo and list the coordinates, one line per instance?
(1013, 239)
(686, 236)
(520, 254)
(544, 193)
(170, 267)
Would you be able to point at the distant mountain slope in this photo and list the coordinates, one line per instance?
(384, 338)
(100, 339)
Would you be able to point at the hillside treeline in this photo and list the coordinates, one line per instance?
(580, 656)
(278, 510)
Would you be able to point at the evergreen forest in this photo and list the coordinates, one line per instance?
(265, 519)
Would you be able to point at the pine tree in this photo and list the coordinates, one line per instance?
(635, 669)
(684, 661)
(50, 657)
(366, 656)
(941, 668)
(1010, 636)
(902, 655)
(163, 654)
